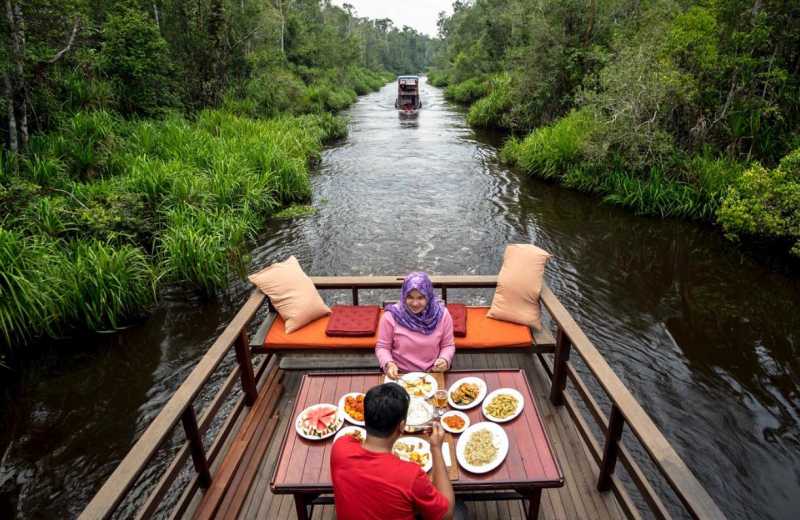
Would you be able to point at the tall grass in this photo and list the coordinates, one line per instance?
(693, 187)
(106, 210)
(490, 110)
(100, 212)
(467, 92)
(551, 151)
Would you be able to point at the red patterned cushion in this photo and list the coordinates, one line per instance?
(458, 311)
(353, 320)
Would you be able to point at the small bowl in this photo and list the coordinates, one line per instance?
(459, 414)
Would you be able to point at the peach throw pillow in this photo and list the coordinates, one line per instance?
(291, 292)
(519, 284)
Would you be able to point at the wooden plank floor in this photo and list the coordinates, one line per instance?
(578, 498)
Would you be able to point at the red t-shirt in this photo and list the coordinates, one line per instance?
(379, 486)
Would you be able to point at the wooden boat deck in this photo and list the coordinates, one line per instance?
(578, 498)
(232, 471)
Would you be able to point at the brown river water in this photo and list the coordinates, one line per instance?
(706, 338)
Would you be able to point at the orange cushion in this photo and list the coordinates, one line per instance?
(482, 333)
(291, 292)
(519, 285)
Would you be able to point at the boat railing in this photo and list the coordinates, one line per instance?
(625, 410)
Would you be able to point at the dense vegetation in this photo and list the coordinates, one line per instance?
(673, 107)
(146, 142)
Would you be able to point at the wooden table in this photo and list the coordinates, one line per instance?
(303, 467)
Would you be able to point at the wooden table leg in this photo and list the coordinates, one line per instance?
(302, 503)
(534, 498)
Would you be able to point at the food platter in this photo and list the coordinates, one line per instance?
(318, 421)
(417, 384)
(493, 456)
(343, 407)
(411, 448)
(471, 383)
(453, 429)
(352, 431)
(510, 396)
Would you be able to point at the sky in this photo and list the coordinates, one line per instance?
(419, 14)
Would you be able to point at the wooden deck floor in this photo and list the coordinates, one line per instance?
(578, 499)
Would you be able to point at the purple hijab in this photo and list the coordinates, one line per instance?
(426, 321)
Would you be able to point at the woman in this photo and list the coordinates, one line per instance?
(416, 333)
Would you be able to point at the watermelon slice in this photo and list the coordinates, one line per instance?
(319, 419)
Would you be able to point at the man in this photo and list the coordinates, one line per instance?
(369, 482)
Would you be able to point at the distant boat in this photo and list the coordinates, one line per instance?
(408, 99)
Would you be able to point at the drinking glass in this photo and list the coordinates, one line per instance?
(440, 401)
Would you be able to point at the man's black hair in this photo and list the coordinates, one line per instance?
(384, 407)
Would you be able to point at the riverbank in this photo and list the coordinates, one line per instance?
(666, 109)
(751, 203)
(104, 212)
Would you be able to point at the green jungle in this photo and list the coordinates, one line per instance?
(146, 142)
(672, 108)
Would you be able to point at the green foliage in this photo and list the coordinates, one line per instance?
(468, 91)
(136, 59)
(295, 211)
(765, 202)
(105, 285)
(491, 110)
(551, 151)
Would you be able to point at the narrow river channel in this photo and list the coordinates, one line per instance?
(706, 338)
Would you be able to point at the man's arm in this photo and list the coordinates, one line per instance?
(439, 471)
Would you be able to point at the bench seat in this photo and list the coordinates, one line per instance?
(482, 333)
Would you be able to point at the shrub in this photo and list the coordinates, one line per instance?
(765, 202)
(105, 285)
(467, 92)
(550, 151)
(491, 110)
(202, 248)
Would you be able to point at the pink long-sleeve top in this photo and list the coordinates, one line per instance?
(412, 351)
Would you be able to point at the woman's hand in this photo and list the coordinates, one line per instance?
(440, 365)
(391, 370)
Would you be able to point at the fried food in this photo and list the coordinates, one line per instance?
(502, 406)
(356, 434)
(354, 406)
(411, 453)
(480, 449)
(455, 422)
(465, 393)
(417, 387)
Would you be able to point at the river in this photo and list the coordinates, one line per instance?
(705, 337)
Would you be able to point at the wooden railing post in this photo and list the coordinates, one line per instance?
(559, 381)
(246, 365)
(355, 295)
(189, 420)
(444, 294)
(616, 421)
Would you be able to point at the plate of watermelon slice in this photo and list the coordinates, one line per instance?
(318, 421)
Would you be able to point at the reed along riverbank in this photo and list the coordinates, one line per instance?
(102, 213)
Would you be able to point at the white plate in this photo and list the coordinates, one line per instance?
(511, 391)
(347, 430)
(425, 447)
(415, 375)
(460, 414)
(345, 414)
(481, 393)
(499, 439)
(301, 433)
